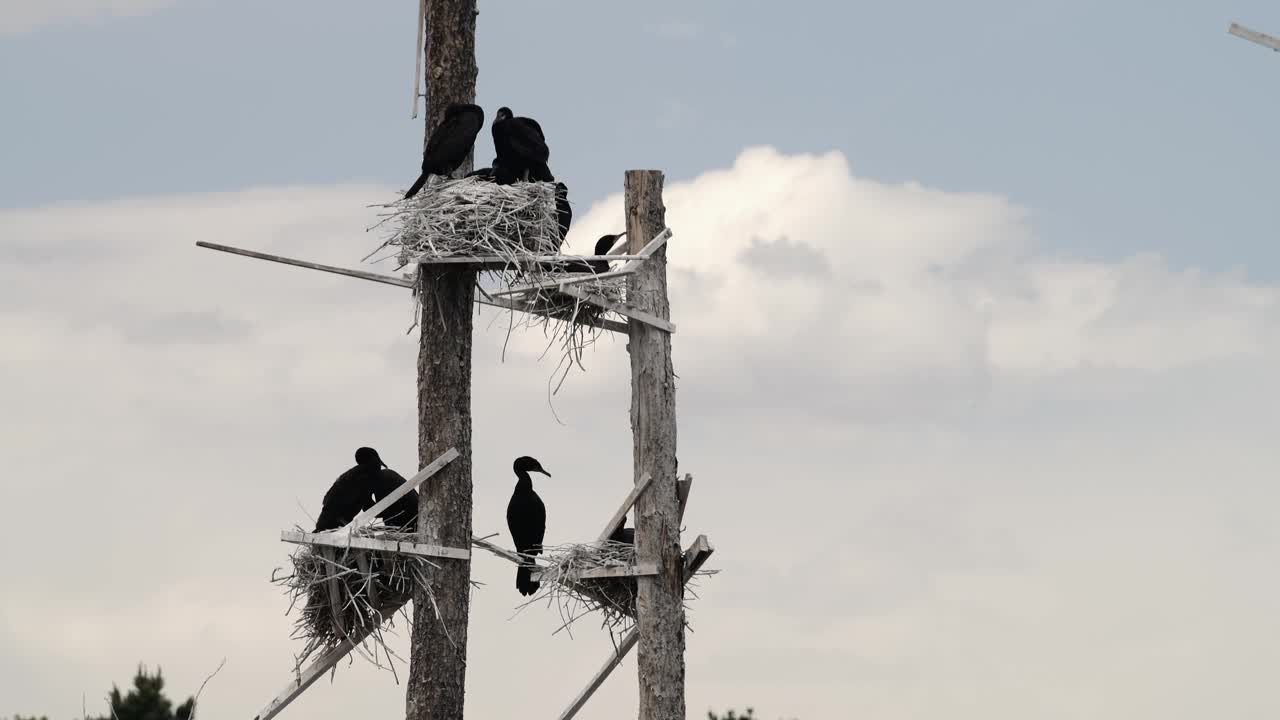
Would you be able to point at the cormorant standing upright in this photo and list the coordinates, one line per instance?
(351, 493)
(527, 520)
(448, 146)
(522, 148)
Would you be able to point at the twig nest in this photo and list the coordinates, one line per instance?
(613, 598)
(473, 217)
(348, 593)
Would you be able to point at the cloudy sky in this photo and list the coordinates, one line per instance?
(978, 308)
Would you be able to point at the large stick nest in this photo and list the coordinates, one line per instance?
(612, 598)
(352, 593)
(471, 217)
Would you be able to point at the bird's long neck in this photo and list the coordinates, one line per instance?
(524, 483)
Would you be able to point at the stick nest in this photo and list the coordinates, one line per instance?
(471, 217)
(613, 598)
(350, 593)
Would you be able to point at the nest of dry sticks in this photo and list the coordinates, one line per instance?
(516, 223)
(352, 593)
(613, 599)
(472, 217)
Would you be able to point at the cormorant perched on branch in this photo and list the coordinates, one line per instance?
(403, 513)
(603, 245)
(521, 147)
(448, 146)
(351, 493)
(527, 520)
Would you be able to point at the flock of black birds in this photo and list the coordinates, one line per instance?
(361, 487)
(522, 156)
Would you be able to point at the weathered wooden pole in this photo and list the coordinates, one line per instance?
(438, 657)
(660, 604)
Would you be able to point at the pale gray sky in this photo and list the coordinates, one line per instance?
(978, 329)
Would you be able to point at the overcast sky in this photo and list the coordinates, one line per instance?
(979, 320)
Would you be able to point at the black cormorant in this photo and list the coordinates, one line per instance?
(448, 146)
(527, 520)
(564, 213)
(603, 245)
(403, 513)
(623, 534)
(521, 147)
(351, 493)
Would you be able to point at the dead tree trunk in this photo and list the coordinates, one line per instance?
(438, 657)
(660, 604)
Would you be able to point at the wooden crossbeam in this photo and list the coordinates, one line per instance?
(503, 261)
(634, 313)
(630, 267)
(410, 282)
(362, 274)
(412, 484)
(694, 558)
(615, 571)
(339, 540)
(1253, 36)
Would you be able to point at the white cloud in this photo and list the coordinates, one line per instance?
(946, 473)
(21, 16)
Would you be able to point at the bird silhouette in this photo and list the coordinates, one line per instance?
(527, 521)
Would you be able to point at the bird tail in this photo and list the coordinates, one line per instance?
(417, 185)
(524, 580)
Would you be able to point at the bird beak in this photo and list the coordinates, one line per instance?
(544, 472)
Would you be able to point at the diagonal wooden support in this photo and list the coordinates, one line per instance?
(694, 558)
(634, 313)
(362, 274)
(624, 508)
(337, 540)
(1254, 36)
(316, 670)
(432, 468)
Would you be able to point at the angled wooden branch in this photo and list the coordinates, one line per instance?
(622, 510)
(362, 274)
(1262, 39)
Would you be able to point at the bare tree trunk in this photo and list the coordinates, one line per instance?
(438, 658)
(660, 605)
